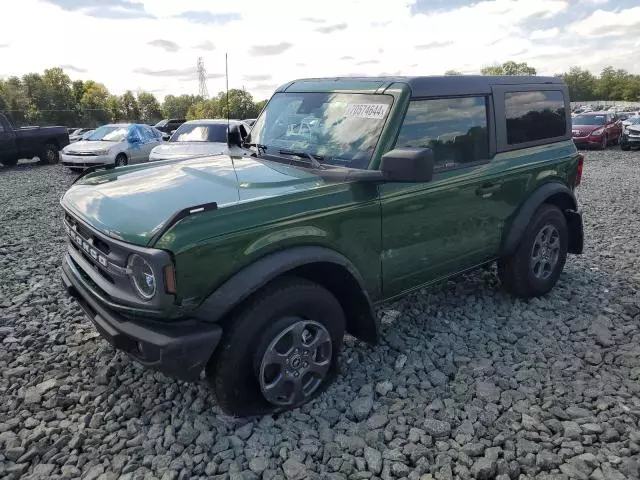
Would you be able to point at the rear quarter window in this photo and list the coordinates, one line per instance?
(535, 115)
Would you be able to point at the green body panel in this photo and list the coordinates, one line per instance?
(399, 236)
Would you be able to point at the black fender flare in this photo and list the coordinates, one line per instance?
(557, 194)
(247, 281)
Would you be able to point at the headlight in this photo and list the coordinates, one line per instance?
(599, 131)
(142, 277)
(102, 152)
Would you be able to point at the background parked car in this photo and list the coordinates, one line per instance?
(596, 129)
(116, 144)
(78, 134)
(630, 133)
(169, 125)
(28, 142)
(250, 121)
(199, 137)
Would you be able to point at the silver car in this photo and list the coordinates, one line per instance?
(199, 137)
(115, 144)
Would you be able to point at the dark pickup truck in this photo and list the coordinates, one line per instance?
(28, 142)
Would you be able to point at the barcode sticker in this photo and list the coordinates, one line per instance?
(366, 110)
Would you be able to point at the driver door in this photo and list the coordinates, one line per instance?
(135, 148)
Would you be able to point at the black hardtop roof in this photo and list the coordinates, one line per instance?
(424, 85)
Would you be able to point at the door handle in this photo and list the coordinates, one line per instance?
(488, 188)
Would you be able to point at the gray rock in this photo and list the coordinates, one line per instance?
(487, 391)
(571, 430)
(258, 464)
(374, 459)
(384, 387)
(294, 470)
(361, 407)
(436, 428)
(437, 378)
(547, 460)
(484, 468)
(378, 420)
(577, 412)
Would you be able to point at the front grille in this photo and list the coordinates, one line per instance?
(81, 154)
(87, 234)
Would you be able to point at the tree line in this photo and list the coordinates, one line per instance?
(52, 98)
(611, 84)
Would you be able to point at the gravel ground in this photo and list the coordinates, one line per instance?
(468, 382)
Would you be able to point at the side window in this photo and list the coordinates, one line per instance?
(454, 128)
(243, 131)
(534, 115)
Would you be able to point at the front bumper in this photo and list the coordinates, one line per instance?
(630, 140)
(180, 349)
(85, 160)
(591, 141)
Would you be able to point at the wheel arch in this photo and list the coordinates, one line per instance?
(321, 265)
(552, 193)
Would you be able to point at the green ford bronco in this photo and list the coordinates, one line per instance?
(247, 270)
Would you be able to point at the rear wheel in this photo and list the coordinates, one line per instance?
(534, 268)
(280, 351)
(625, 146)
(50, 154)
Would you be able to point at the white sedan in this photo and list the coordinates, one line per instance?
(115, 144)
(198, 138)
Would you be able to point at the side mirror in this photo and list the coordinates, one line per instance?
(408, 165)
(165, 136)
(234, 137)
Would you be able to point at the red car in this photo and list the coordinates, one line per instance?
(596, 129)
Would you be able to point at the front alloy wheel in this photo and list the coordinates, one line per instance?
(280, 350)
(295, 363)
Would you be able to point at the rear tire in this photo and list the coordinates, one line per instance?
(266, 350)
(50, 154)
(535, 266)
(625, 147)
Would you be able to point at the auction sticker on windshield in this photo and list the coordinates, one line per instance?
(366, 110)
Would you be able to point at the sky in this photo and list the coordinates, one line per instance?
(154, 45)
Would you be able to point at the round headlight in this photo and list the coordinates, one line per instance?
(142, 277)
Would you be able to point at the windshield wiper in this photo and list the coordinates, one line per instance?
(313, 159)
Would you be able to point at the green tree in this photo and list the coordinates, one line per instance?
(150, 111)
(114, 108)
(509, 68)
(94, 104)
(241, 104)
(177, 107)
(204, 109)
(260, 105)
(581, 83)
(129, 108)
(61, 105)
(78, 89)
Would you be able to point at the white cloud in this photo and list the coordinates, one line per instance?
(544, 34)
(378, 37)
(602, 22)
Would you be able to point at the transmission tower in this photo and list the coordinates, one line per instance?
(202, 79)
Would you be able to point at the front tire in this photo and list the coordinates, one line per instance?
(625, 146)
(280, 351)
(535, 266)
(50, 154)
(8, 161)
(604, 144)
(121, 160)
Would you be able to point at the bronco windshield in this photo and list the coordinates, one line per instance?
(339, 128)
